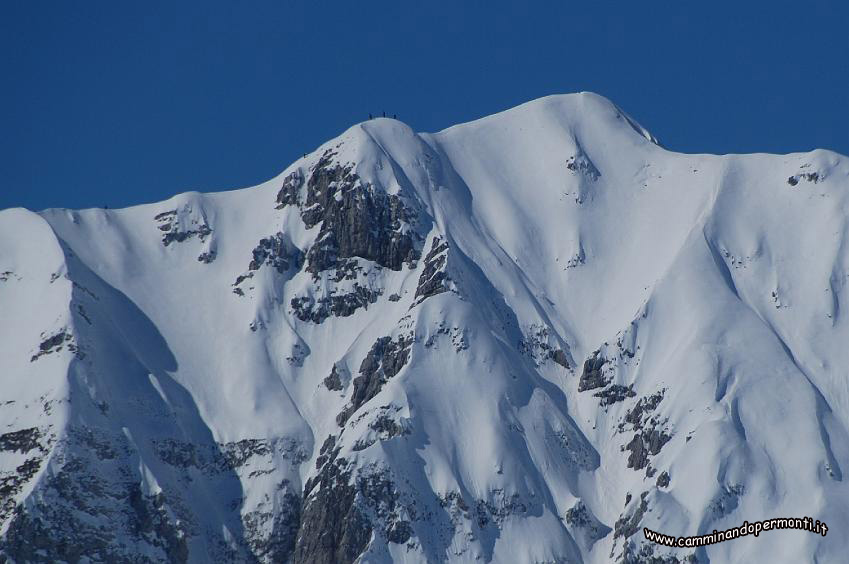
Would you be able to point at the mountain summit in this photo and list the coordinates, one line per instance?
(521, 339)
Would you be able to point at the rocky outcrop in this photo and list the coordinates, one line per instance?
(384, 426)
(385, 359)
(289, 193)
(333, 529)
(614, 393)
(584, 525)
(207, 257)
(637, 415)
(537, 345)
(593, 376)
(457, 335)
(560, 357)
(356, 220)
(275, 251)
(629, 522)
(307, 308)
(580, 163)
(344, 509)
(284, 517)
(224, 457)
(82, 514)
(31, 442)
(333, 382)
(649, 554)
(174, 232)
(22, 441)
(807, 176)
(55, 343)
(433, 278)
(93, 505)
(646, 443)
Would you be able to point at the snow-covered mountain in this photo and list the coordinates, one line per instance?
(521, 339)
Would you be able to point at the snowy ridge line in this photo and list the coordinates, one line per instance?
(520, 339)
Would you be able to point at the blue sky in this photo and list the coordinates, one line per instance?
(119, 103)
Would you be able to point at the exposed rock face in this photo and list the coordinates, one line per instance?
(356, 220)
(35, 445)
(333, 529)
(615, 393)
(207, 257)
(333, 382)
(54, 343)
(559, 356)
(306, 308)
(806, 176)
(433, 277)
(593, 377)
(649, 554)
(276, 252)
(76, 496)
(21, 441)
(345, 507)
(588, 528)
(387, 427)
(385, 359)
(224, 457)
(91, 504)
(284, 516)
(170, 223)
(644, 444)
(289, 193)
(639, 413)
(384, 425)
(629, 523)
(361, 229)
(457, 336)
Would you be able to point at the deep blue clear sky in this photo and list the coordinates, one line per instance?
(118, 103)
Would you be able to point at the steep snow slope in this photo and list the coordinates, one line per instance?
(521, 339)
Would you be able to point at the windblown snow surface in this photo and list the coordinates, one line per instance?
(521, 339)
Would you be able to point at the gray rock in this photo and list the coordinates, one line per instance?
(648, 442)
(433, 277)
(21, 441)
(615, 393)
(307, 308)
(356, 220)
(332, 529)
(385, 359)
(592, 376)
(333, 382)
(289, 193)
(559, 356)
